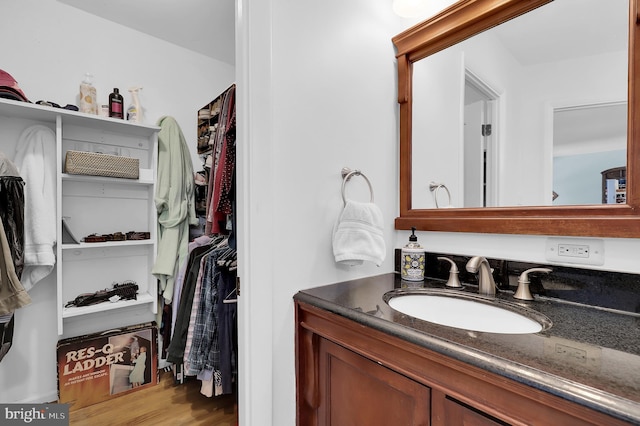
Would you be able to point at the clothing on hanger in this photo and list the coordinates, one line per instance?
(205, 334)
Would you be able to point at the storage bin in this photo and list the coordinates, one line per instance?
(96, 164)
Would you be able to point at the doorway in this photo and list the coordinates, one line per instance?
(587, 141)
(480, 154)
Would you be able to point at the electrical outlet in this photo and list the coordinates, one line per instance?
(575, 250)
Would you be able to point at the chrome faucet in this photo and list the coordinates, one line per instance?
(486, 284)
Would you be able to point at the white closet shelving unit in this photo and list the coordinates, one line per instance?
(99, 205)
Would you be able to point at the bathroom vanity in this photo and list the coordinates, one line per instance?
(358, 361)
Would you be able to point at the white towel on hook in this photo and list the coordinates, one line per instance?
(36, 160)
(357, 235)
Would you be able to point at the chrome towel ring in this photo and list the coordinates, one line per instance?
(347, 173)
(435, 188)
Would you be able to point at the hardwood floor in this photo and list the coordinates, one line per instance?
(163, 404)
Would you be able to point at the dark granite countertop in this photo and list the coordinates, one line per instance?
(590, 355)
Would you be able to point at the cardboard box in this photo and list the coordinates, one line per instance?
(96, 367)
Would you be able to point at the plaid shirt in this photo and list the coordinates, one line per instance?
(204, 353)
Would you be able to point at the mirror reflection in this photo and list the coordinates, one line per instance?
(532, 112)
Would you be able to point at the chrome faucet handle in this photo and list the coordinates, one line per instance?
(454, 281)
(523, 292)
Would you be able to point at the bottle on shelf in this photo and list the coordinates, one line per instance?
(116, 104)
(134, 112)
(88, 99)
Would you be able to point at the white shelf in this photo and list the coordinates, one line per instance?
(104, 179)
(142, 299)
(88, 246)
(97, 204)
(41, 113)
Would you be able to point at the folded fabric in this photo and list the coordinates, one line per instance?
(357, 235)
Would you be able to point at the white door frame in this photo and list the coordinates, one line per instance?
(254, 185)
(492, 97)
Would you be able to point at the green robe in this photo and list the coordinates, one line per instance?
(175, 204)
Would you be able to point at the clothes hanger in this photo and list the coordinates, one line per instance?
(216, 240)
(227, 300)
(227, 254)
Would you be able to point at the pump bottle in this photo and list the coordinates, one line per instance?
(88, 101)
(413, 259)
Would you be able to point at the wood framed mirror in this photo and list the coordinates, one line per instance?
(456, 24)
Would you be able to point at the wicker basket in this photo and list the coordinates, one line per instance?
(94, 164)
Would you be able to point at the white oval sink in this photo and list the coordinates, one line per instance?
(469, 313)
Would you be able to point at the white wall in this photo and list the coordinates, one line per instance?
(48, 46)
(438, 120)
(52, 46)
(334, 104)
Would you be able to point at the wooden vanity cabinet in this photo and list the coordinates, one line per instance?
(358, 391)
(351, 374)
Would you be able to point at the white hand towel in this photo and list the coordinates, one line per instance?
(36, 159)
(357, 235)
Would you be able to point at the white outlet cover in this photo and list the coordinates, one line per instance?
(595, 248)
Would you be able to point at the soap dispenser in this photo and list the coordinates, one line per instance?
(412, 259)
